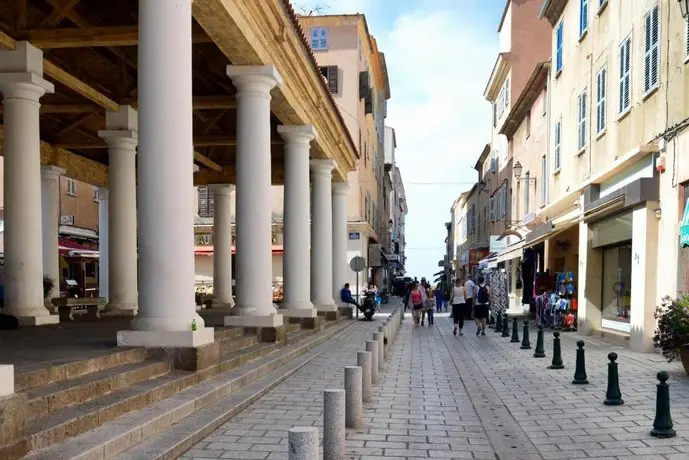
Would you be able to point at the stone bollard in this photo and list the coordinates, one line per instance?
(515, 331)
(372, 347)
(539, 352)
(498, 322)
(334, 424)
(580, 369)
(303, 443)
(526, 343)
(354, 412)
(386, 342)
(505, 326)
(378, 336)
(557, 353)
(613, 397)
(363, 360)
(662, 425)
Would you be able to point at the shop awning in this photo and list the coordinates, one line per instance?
(558, 225)
(489, 262)
(512, 251)
(208, 250)
(71, 248)
(684, 228)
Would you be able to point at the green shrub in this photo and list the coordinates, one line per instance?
(672, 332)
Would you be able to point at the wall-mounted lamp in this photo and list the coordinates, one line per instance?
(659, 213)
(517, 169)
(684, 8)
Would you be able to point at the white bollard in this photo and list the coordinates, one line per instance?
(6, 379)
(354, 412)
(378, 336)
(372, 347)
(303, 443)
(334, 424)
(363, 360)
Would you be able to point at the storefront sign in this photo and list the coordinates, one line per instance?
(354, 235)
(464, 258)
(684, 228)
(477, 255)
(496, 244)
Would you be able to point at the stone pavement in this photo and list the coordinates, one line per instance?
(469, 397)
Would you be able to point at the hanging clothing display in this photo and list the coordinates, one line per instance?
(528, 271)
(498, 291)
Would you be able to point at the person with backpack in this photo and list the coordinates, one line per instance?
(459, 306)
(417, 302)
(481, 305)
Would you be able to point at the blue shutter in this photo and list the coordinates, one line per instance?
(583, 17)
(558, 48)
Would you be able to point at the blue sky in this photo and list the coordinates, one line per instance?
(439, 55)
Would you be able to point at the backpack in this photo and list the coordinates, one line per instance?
(416, 297)
(482, 297)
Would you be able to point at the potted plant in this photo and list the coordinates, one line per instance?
(48, 284)
(672, 331)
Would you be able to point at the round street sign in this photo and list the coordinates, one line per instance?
(358, 264)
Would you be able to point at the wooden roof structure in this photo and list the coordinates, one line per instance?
(90, 54)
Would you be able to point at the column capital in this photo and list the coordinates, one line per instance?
(324, 167)
(125, 119)
(340, 188)
(120, 139)
(21, 73)
(257, 79)
(51, 172)
(222, 189)
(298, 133)
(196, 168)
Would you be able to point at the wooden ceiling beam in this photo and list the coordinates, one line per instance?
(92, 37)
(199, 141)
(60, 11)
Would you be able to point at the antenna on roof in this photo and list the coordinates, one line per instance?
(313, 11)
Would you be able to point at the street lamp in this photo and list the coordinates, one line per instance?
(684, 8)
(517, 168)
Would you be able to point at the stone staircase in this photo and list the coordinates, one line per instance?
(102, 407)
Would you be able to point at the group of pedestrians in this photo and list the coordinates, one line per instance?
(420, 299)
(468, 297)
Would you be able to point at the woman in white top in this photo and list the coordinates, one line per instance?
(459, 306)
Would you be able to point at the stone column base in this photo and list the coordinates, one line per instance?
(120, 309)
(166, 339)
(254, 321)
(6, 379)
(312, 323)
(330, 315)
(217, 305)
(326, 307)
(38, 320)
(347, 311)
(298, 312)
(268, 334)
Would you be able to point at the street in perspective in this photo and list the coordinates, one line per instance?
(344, 229)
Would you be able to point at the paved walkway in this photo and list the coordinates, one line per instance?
(469, 397)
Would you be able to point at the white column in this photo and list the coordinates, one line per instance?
(322, 235)
(103, 242)
(253, 237)
(645, 263)
(167, 310)
(121, 135)
(222, 246)
(50, 203)
(22, 85)
(340, 263)
(296, 264)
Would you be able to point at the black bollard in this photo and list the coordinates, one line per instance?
(498, 322)
(505, 326)
(557, 353)
(662, 425)
(526, 343)
(580, 369)
(539, 352)
(515, 331)
(613, 397)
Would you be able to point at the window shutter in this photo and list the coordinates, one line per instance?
(686, 39)
(368, 101)
(583, 16)
(333, 79)
(363, 84)
(558, 50)
(492, 209)
(651, 49)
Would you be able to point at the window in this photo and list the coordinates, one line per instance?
(651, 49)
(583, 17)
(71, 187)
(503, 102)
(528, 124)
(319, 38)
(544, 180)
(90, 270)
(601, 90)
(527, 192)
(94, 192)
(581, 141)
(330, 73)
(206, 202)
(558, 145)
(492, 209)
(558, 47)
(625, 101)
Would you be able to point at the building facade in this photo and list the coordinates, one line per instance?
(396, 203)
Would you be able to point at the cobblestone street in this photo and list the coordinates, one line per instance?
(469, 397)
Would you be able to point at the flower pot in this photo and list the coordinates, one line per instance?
(685, 358)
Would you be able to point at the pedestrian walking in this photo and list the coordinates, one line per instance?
(439, 297)
(430, 305)
(469, 294)
(481, 305)
(459, 306)
(417, 302)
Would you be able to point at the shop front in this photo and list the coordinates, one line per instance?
(618, 247)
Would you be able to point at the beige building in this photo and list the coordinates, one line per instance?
(357, 77)
(619, 97)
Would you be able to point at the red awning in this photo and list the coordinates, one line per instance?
(69, 247)
(208, 250)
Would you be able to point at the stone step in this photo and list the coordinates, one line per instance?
(49, 398)
(239, 342)
(222, 332)
(118, 435)
(65, 371)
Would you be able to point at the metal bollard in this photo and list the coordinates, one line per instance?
(378, 336)
(662, 424)
(372, 347)
(613, 396)
(580, 368)
(354, 412)
(557, 353)
(363, 360)
(303, 443)
(334, 424)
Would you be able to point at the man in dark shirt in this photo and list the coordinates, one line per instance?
(346, 296)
